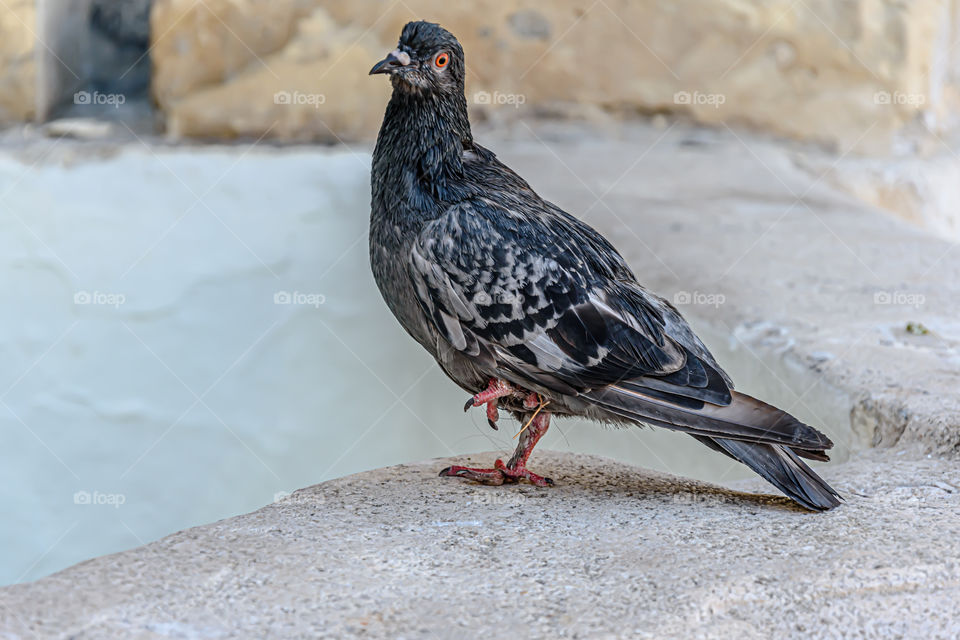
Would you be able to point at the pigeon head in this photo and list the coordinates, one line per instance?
(428, 59)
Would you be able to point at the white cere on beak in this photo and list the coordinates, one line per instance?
(401, 56)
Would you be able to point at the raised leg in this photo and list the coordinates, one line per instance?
(496, 389)
(516, 466)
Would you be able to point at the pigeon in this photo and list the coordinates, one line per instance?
(529, 309)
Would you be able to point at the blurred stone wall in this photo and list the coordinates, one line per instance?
(852, 73)
(18, 69)
(62, 41)
(55, 52)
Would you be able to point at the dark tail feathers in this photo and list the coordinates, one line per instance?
(782, 468)
(759, 435)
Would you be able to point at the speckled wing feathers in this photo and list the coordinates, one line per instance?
(529, 297)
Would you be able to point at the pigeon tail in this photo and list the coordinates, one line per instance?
(781, 467)
(766, 439)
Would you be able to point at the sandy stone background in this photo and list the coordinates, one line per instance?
(813, 70)
(865, 75)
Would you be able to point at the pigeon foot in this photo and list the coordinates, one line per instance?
(500, 474)
(516, 468)
(496, 389)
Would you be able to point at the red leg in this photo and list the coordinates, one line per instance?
(516, 467)
(495, 390)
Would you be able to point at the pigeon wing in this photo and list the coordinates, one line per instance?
(494, 283)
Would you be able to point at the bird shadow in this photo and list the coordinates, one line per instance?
(605, 477)
(646, 486)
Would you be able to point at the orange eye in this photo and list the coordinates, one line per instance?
(441, 60)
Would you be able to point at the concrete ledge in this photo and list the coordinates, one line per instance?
(611, 551)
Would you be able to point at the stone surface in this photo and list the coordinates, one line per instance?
(18, 72)
(853, 74)
(85, 128)
(612, 551)
(255, 69)
(923, 190)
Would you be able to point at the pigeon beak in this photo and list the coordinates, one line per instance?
(394, 60)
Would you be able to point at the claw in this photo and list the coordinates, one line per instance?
(495, 390)
(492, 414)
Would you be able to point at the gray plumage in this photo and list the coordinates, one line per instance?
(496, 282)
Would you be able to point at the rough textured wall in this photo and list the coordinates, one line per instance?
(17, 65)
(63, 46)
(852, 73)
